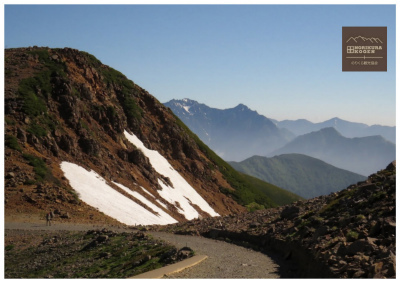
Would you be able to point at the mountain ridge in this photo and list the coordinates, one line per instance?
(363, 155)
(234, 133)
(67, 113)
(306, 176)
(346, 128)
(241, 137)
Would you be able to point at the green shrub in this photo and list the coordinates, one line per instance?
(40, 84)
(29, 182)
(34, 90)
(377, 196)
(33, 105)
(9, 121)
(84, 125)
(351, 236)
(9, 247)
(42, 53)
(131, 109)
(254, 206)
(360, 217)
(44, 57)
(92, 60)
(125, 95)
(39, 167)
(12, 142)
(112, 76)
(37, 130)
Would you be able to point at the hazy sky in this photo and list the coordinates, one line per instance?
(282, 60)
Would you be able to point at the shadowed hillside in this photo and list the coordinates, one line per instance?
(306, 176)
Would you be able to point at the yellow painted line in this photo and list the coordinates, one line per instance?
(169, 269)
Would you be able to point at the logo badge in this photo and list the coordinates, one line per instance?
(364, 49)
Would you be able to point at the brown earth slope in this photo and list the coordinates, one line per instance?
(65, 105)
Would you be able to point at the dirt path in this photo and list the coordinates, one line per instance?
(224, 260)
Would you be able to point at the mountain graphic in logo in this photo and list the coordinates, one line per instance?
(371, 39)
(368, 46)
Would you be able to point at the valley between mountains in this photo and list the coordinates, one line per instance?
(90, 146)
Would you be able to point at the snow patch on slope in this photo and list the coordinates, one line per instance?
(155, 208)
(157, 200)
(181, 192)
(95, 191)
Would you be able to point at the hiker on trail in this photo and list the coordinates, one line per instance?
(48, 218)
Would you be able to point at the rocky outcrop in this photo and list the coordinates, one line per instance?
(348, 234)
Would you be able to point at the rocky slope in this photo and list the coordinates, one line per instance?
(348, 234)
(66, 112)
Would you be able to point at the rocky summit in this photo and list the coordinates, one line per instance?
(347, 234)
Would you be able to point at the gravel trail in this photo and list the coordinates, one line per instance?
(224, 260)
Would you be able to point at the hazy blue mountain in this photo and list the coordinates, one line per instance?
(234, 134)
(346, 128)
(303, 175)
(364, 155)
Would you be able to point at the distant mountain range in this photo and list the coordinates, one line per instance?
(234, 134)
(346, 128)
(238, 133)
(303, 175)
(364, 155)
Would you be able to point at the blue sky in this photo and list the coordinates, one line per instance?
(282, 60)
